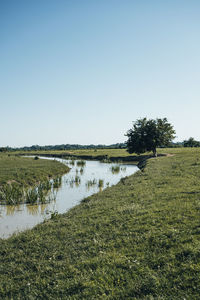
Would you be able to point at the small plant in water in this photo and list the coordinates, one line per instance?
(80, 163)
(115, 169)
(57, 182)
(12, 194)
(32, 196)
(101, 183)
(76, 180)
(123, 169)
(72, 162)
(105, 160)
(91, 183)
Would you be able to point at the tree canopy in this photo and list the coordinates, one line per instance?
(147, 135)
(191, 143)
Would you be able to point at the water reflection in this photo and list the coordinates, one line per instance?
(11, 209)
(36, 209)
(84, 179)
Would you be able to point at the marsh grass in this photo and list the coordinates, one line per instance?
(77, 179)
(15, 194)
(12, 194)
(90, 183)
(57, 182)
(96, 183)
(74, 181)
(32, 196)
(139, 239)
(81, 170)
(71, 162)
(115, 169)
(81, 163)
(106, 160)
(101, 183)
(26, 180)
(123, 169)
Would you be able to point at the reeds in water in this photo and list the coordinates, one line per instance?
(14, 194)
(101, 183)
(91, 183)
(115, 169)
(57, 182)
(80, 163)
(76, 180)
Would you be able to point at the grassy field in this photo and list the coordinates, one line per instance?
(99, 154)
(87, 152)
(19, 172)
(28, 171)
(139, 239)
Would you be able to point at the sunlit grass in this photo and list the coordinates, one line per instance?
(27, 180)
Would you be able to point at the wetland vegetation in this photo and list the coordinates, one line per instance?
(139, 239)
(58, 194)
(28, 180)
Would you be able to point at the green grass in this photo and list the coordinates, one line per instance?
(19, 173)
(85, 152)
(28, 171)
(100, 154)
(139, 239)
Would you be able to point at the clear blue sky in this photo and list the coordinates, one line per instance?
(80, 71)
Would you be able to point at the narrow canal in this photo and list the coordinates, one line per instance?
(84, 179)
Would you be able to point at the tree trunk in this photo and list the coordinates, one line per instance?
(154, 152)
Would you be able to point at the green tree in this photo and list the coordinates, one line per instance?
(191, 143)
(3, 149)
(147, 135)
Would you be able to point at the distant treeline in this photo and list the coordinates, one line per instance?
(187, 143)
(191, 143)
(64, 147)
